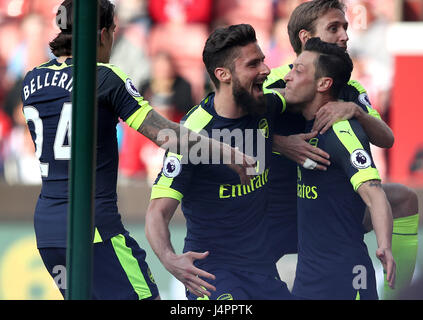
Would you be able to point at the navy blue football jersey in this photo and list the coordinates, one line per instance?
(330, 213)
(47, 106)
(282, 206)
(222, 216)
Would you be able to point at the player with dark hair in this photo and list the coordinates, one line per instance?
(331, 203)
(226, 253)
(326, 19)
(119, 267)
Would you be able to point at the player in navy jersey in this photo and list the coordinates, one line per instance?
(226, 248)
(333, 261)
(119, 267)
(326, 19)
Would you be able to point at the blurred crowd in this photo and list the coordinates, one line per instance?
(158, 43)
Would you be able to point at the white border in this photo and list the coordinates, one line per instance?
(405, 38)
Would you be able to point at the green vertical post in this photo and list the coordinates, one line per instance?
(83, 154)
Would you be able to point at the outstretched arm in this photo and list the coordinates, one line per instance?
(376, 129)
(178, 139)
(159, 214)
(380, 211)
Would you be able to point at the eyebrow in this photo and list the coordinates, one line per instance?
(255, 60)
(337, 22)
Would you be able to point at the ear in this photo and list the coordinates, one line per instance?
(304, 35)
(223, 75)
(324, 84)
(103, 35)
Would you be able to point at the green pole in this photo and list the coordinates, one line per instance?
(83, 155)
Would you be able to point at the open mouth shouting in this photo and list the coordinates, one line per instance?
(258, 87)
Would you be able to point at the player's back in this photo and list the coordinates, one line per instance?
(47, 96)
(47, 108)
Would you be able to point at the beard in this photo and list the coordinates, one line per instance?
(294, 108)
(247, 101)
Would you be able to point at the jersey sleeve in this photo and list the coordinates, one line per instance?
(355, 92)
(178, 172)
(276, 77)
(275, 100)
(349, 148)
(174, 178)
(117, 91)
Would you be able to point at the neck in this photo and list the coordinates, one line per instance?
(225, 105)
(62, 59)
(100, 59)
(103, 56)
(311, 108)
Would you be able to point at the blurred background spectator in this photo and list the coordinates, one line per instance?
(159, 43)
(166, 89)
(171, 96)
(181, 27)
(373, 64)
(21, 166)
(257, 13)
(130, 51)
(279, 50)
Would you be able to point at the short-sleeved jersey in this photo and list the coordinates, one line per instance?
(330, 215)
(46, 96)
(283, 173)
(222, 216)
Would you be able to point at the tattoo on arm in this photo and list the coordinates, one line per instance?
(176, 138)
(375, 183)
(152, 125)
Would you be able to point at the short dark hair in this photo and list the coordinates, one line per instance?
(304, 17)
(62, 44)
(333, 62)
(221, 47)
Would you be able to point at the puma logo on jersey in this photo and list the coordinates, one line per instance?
(345, 131)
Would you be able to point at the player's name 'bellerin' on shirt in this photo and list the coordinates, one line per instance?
(222, 216)
(47, 106)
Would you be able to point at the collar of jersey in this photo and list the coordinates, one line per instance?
(67, 62)
(208, 104)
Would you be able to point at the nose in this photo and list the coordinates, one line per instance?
(344, 35)
(288, 76)
(265, 69)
